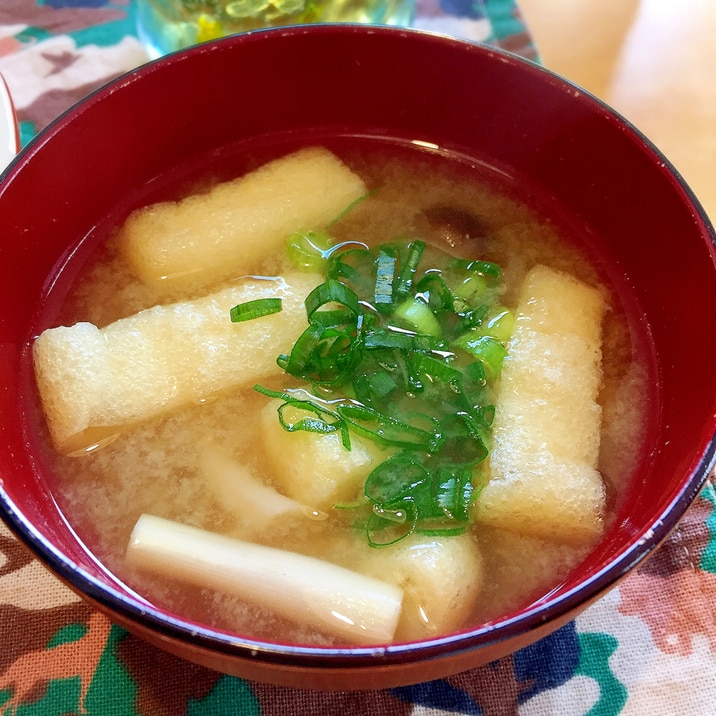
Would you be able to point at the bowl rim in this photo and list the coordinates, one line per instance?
(547, 609)
(141, 612)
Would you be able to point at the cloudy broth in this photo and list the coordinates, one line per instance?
(158, 467)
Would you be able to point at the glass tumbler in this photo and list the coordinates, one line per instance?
(167, 25)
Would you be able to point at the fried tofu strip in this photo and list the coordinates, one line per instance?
(546, 433)
(207, 238)
(315, 469)
(94, 382)
(441, 579)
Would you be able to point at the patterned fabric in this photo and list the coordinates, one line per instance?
(648, 647)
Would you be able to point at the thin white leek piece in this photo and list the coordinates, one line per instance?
(253, 504)
(346, 604)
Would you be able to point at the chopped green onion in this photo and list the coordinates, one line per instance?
(331, 291)
(385, 275)
(302, 351)
(353, 268)
(309, 249)
(499, 325)
(330, 318)
(394, 479)
(433, 289)
(417, 314)
(255, 309)
(386, 430)
(406, 277)
(454, 492)
(350, 207)
(472, 318)
(471, 288)
(382, 384)
(438, 369)
(315, 424)
(400, 340)
(388, 525)
(475, 373)
(478, 431)
(486, 268)
(370, 389)
(406, 345)
(487, 350)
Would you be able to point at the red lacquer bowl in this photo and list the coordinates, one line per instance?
(189, 107)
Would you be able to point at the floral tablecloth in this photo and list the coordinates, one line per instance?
(648, 647)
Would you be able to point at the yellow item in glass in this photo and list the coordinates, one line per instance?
(168, 25)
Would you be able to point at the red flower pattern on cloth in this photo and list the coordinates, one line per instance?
(687, 594)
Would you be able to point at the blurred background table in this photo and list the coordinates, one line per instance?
(652, 60)
(648, 647)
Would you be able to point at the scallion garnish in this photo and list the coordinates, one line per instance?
(309, 249)
(255, 309)
(406, 277)
(331, 291)
(384, 279)
(416, 313)
(486, 268)
(404, 344)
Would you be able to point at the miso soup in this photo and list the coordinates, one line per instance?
(226, 463)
